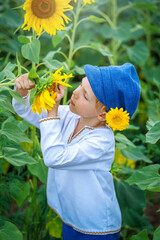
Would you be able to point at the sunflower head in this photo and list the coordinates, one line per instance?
(117, 119)
(47, 15)
(46, 94)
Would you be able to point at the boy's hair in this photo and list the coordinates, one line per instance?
(100, 106)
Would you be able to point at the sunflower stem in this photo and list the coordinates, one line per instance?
(76, 16)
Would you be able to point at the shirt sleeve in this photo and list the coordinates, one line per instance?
(92, 153)
(25, 111)
(31, 117)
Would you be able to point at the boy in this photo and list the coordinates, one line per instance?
(78, 148)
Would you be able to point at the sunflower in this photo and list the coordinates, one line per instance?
(46, 14)
(87, 1)
(45, 95)
(117, 119)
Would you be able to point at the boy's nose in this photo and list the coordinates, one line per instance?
(75, 94)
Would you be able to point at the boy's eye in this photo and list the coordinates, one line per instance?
(85, 97)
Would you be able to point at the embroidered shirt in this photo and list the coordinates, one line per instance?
(80, 187)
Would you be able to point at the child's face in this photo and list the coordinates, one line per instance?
(83, 100)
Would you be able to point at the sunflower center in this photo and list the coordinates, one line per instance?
(117, 119)
(43, 8)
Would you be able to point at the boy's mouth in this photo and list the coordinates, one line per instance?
(72, 103)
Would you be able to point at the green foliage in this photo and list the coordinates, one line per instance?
(110, 32)
(10, 231)
(147, 178)
(31, 50)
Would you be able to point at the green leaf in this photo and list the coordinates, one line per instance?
(31, 51)
(23, 39)
(150, 123)
(100, 49)
(19, 191)
(56, 40)
(132, 203)
(54, 65)
(156, 235)
(50, 55)
(7, 71)
(39, 170)
(5, 103)
(55, 227)
(32, 95)
(17, 96)
(33, 75)
(17, 157)
(149, 6)
(96, 19)
(153, 135)
(14, 133)
(135, 153)
(10, 232)
(123, 139)
(121, 33)
(139, 53)
(79, 70)
(147, 178)
(143, 235)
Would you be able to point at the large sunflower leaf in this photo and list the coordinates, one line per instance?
(14, 133)
(156, 235)
(39, 170)
(17, 157)
(143, 235)
(10, 232)
(132, 203)
(153, 135)
(146, 178)
(135, 153)
(31, 51)
(19, 191)
(138, 53)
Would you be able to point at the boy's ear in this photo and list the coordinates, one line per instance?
(102, 117)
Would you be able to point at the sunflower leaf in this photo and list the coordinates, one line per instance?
(33, 75)
(31, 51)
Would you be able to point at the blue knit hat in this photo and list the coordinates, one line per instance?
(115, 86)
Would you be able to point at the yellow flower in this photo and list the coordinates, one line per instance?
(45, 100)
(57, 77)
(86, 1)
(46, 14)
(117, 119)
(123, 161)
(45, 96)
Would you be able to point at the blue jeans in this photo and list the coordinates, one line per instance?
(70, 234)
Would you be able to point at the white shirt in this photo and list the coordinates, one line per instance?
(80, 187)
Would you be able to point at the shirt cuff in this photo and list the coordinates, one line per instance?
(49, 118)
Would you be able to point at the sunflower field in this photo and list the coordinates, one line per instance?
(50, 38)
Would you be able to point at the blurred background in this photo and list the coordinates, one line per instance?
(108, 32)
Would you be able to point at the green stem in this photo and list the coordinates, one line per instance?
(114, 16)
(76, 16)
(74, 33)
(108, 20)
(124, 8)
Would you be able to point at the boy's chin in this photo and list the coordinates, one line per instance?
(71, 108)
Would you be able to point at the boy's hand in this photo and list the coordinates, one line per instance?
(60, 92)
(60, 95)
(23, 84)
